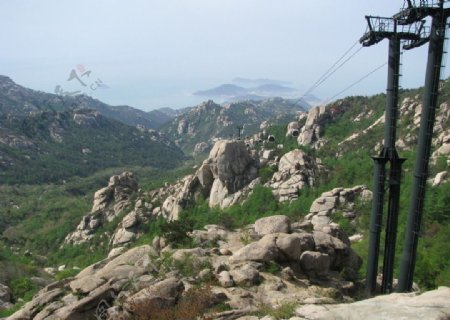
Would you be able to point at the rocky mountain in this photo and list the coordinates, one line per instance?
(198, 128)
(274, 260)
(17, 100)
(54, 145)
(274, 226)
(275, 266)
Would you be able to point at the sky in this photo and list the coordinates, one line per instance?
(155, 53)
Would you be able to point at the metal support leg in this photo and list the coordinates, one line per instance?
(435, 53)
(375, 223)
(391, 223)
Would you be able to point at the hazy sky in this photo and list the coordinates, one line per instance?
(155, 53)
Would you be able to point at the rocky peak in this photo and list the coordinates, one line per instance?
(230, 166)
(224, 178)
(318, 117)
(233, 164)
(296, 170)
(108, 203)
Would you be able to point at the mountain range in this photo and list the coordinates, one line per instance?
(18, 100)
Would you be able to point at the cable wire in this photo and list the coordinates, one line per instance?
(340, 66)
(357, 81)
(330, 70)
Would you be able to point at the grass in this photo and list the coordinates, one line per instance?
(284, 311)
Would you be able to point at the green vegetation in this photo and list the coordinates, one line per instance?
(37, 218)
(61, 148)
(23, 287)
(284, 311)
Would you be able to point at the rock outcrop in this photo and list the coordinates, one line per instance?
(87, 118)
(440, 178)
(200, 147)
(296, 170)
(254, 266)
(108, 203)
(232, 167)
(318, 117)
(323, 208)
(129, 228)
(432, 305)
(226, 177)
(5, 297)
(411, 110)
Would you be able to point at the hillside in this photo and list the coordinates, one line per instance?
(50, 146)
(235, 224)
(20, 101)
(198, 128)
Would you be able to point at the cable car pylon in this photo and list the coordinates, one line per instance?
(380, 28)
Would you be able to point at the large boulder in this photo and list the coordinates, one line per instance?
(432, 305)
(272, 224)
(316, 262)
(292, 245)
(264, 250)
(247, 275)
(278, 247)
(232, 167)
(293, 129)
(296, 170)
(162, 295)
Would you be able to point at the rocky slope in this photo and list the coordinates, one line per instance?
(208, 122)
(367, 122)
(225, 178)
(272, 262)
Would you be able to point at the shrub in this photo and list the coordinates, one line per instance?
(188, 266)
(266, 173)
(272, 267)
(23, 288)
(176, 232)
(284, 311)
(68, 273)
(193, 304)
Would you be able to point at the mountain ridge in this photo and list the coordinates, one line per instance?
(18, 100)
